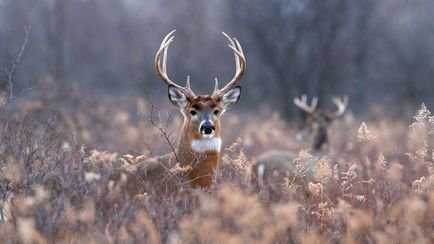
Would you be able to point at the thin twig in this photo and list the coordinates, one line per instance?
(148, 148)
(163, 131)
(156, 122)
(15, 64)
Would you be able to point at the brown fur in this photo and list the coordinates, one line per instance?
(203, 174)
(203, 164)
(154, 173)
(201, 103)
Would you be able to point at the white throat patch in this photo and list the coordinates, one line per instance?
(206, 145)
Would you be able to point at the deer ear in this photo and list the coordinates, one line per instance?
(177, 97)
(231, 97)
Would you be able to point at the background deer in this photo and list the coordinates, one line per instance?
(198, 151)
(272, 166)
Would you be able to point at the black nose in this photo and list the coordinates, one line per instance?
(207, 128)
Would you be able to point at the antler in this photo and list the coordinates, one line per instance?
(341, 103)
(240, 67)
(302, 103)
(162, 68)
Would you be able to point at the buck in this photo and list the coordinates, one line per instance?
(199, 145)
(272, 166)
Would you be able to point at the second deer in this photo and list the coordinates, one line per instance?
(271, 167)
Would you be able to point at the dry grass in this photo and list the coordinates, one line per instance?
(376, 184)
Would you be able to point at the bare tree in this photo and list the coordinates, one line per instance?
(10, 73)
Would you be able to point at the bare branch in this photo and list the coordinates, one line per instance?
(162, 130)
(15, 64)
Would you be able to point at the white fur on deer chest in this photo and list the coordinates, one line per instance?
(206, 145)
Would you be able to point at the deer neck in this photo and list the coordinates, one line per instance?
(320, 140)
(202, 154)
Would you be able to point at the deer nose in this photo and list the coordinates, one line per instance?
(207, 128)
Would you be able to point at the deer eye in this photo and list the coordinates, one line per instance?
(216, 112)
(193, 112)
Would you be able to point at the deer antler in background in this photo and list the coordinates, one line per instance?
(302, 103)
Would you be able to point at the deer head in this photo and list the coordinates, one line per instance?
(202, 113)
(318, 121)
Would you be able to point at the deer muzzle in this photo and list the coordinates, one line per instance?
(207, 129)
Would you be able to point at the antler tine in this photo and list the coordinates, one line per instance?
(165, 58)
(168, 39)
(341, 103)
(240, 50)
(161, 65)
(216, 84)
(314, 103)
(302, 103)
(234, 47)
(240, 67)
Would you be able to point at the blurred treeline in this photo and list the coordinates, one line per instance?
(377, 52)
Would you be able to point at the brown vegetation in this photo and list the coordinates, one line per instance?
(380, 186)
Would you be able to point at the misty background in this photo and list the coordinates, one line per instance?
(379, 53)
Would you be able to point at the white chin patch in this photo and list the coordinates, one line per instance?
(207, 136)
(212, 144)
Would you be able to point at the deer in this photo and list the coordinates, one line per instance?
(271, 167)
(199, 145)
